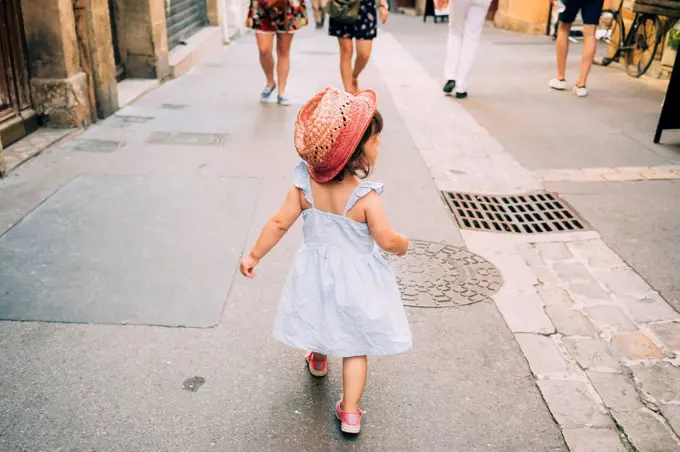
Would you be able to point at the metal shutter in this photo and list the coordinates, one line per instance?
(183, 18)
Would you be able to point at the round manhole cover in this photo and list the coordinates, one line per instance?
(433, 275)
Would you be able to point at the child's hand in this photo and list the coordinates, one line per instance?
(248, 265)
(403, 252)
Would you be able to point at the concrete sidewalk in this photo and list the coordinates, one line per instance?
(141, 220)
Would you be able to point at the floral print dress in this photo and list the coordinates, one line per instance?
(365, 27)
(277, 16)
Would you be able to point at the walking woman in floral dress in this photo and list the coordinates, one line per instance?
(280, 18)
(362, 32)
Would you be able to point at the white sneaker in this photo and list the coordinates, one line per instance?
(558, 84)
(580, 91)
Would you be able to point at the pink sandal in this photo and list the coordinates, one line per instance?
(350, 422)
(317, 367)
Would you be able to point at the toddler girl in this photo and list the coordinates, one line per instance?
(341, 297)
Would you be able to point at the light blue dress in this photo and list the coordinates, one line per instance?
(341, 297)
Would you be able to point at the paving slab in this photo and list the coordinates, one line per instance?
(635, 346)
(646, 431)
(122, 249)
(661, 380)
(672, 415)
(593, 440)
(616, 390)
(570, 322)
(573, 404)
(592, 353)
(610, 318)
(554, 296)
(669, 334)
(543, 355)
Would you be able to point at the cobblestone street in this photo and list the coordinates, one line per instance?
(125, 327)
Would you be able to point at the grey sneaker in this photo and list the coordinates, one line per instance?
(283, 101)
(266, 93)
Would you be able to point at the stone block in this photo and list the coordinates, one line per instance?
(669, 334)
(545, 275)
(661, 381)
(592, 354)
(553, 251)
(572, 404)
(573, 272)
(672, 414)
(589, 292)
(635, 346)
(554, 296)
(650, 307)
(570, 322)
(646, 431)
(542, 354)
(616, 390)
(593, 440)
(523, 312)
(62, 102)
(624, 281)
(610, 318)
(529, 254)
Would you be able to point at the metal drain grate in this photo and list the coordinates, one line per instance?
(533, 213)
(94, 145)
(174, 106)
(188, 139)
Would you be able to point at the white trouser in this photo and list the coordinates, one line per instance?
(466, 20)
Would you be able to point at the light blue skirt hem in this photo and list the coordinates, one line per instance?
(395, 350)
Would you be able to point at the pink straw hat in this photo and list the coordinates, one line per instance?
(329, 128)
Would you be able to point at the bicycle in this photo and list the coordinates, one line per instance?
(638, 47)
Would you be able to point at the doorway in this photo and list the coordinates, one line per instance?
(16, 117)
(120, 69)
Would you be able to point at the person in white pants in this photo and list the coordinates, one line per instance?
(466, 20)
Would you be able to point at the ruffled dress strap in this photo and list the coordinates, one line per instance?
(303, 181)
(362, 190)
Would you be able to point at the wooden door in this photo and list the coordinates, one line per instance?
(14, 77)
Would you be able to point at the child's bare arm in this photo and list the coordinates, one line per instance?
(274, 229)
(383, 233)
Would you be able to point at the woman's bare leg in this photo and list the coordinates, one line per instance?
(346, 50)
(283, 43)
(265, 45)
(364, 47)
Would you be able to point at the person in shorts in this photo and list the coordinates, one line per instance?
(280, 18)
(590, 13)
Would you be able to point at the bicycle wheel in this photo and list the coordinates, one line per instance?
(646, 35)
(609, 34)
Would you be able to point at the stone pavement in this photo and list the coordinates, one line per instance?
(601, 342)
(140, 221)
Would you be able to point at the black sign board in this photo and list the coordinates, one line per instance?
(670, 112)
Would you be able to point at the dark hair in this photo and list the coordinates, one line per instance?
(358, 164)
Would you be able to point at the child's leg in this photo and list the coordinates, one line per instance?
(354, 371)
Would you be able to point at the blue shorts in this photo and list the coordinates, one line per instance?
(590, 11)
